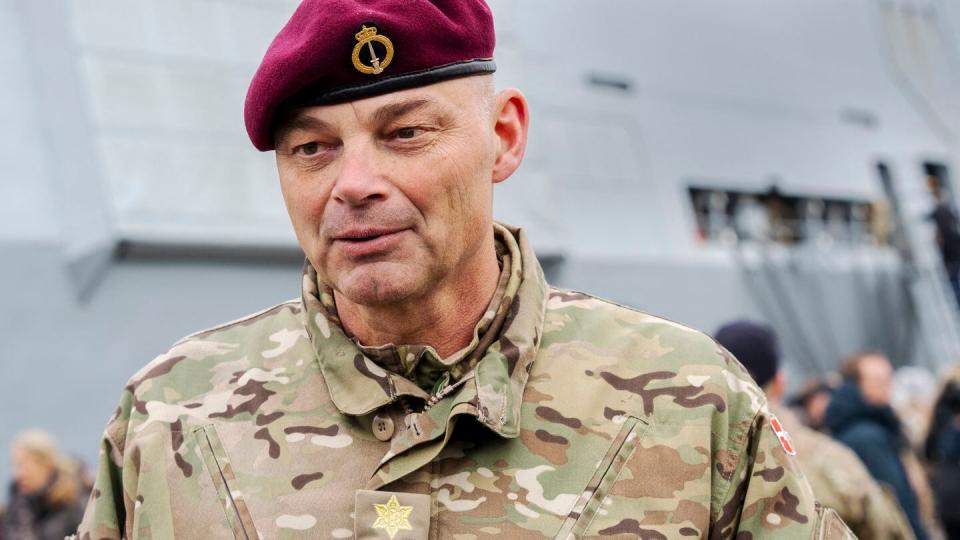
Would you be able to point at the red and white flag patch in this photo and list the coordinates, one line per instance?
(785, 441)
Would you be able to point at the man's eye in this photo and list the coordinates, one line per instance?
(308, 149)
(407, 133)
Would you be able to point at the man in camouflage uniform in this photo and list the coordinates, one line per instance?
(838, 477)
(429, 383)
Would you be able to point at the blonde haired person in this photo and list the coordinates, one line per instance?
(46, 497)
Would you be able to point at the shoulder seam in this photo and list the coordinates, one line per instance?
(628, 308)
(236, 321)
(601, 299)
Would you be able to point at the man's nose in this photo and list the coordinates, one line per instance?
(361, 179)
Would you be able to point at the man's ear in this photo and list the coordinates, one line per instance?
(511, 121)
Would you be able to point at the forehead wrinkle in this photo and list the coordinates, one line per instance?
(392, 111)
(356, 113)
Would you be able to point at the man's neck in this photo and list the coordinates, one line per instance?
(444, 319)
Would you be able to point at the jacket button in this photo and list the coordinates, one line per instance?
(382, 427)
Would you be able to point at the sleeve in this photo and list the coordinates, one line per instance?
(105, 514)
(768, 495)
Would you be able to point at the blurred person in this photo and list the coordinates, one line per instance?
(46, 498)
(943, 452)
(947, 229)
(860, 416)
(882, 222)
(838, 477)
(422, 386)
(812, 401)
(912, 398)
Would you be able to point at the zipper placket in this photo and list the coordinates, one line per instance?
(411, 418)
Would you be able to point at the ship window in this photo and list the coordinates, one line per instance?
(730, 216)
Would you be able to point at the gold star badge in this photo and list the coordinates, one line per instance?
(392, 516)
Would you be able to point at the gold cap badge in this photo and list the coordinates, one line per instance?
(368, 50)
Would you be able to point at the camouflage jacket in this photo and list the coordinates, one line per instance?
(580, 419)
(841, 481)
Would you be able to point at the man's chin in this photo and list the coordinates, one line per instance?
(372, 286)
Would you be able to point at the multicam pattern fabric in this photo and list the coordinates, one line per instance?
(840, 481)
(579, 419)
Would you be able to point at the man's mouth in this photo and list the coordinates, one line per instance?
(368, 241)
(365, 234)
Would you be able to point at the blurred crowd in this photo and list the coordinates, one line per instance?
(48, 493)
(880, 446)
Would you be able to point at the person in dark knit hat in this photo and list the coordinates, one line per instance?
(838, 477)
(429, 383)
(756, 347)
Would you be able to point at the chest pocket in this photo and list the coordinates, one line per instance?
(607, 473)
(290, 479)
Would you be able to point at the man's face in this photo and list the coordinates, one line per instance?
(391, 195)
(876, 380)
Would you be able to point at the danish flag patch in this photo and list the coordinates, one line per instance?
(785, 441)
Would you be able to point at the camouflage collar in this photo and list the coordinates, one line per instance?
(358, 385)
(422, 364)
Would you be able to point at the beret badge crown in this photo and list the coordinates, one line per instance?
(371, 44)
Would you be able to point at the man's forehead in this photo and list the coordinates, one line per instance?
(376, 108)
(876, 364)
(442, 97)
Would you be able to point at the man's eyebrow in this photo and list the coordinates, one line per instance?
(301, 122)
(392, 111)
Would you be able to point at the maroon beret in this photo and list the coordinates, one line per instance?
(333, 51)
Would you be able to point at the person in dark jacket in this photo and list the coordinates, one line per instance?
(46, 498)
(947, 227)
(860, 416)
(838, 478)
(943, 452)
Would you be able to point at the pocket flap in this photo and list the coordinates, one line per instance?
(605, 476)
(218, 465)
